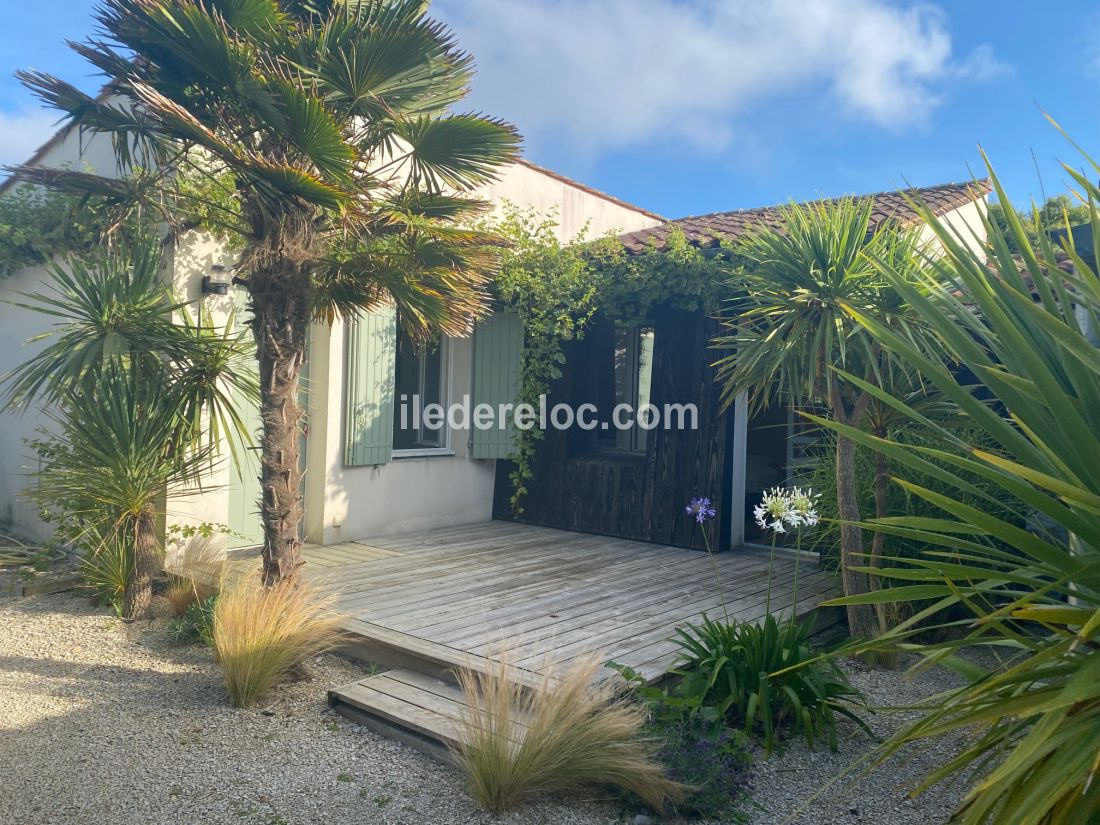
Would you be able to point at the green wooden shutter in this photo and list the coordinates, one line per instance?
(369, 388)
(498, 348)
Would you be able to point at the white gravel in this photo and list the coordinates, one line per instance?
(106, 722)
(784, 787)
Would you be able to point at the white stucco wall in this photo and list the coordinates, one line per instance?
(16, 327)
(197, 254)
(966, 222)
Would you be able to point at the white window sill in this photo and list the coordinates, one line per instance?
(425, 452)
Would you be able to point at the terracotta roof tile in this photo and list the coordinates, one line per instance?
(706, 231)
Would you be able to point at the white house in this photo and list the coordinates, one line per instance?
(362, 477)
(367, 474)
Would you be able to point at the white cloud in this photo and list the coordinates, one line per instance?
(21, 132)
(614, 73)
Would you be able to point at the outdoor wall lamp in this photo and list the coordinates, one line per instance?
(212, 287)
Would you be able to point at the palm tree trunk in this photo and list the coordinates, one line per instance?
(882, 510)
(861, 617)
(281, 318)
(138, 598)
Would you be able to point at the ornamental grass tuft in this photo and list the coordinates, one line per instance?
(568, 734)
(261, 635)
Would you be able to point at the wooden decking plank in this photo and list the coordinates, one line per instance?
(649, 601)
(638, 576)
(475, 584)
(410, 569)
(447, 657)
(662, 620)
(425, 722)
(437, 585)
(606, 599)
(640, 649)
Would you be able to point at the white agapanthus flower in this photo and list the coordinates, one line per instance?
(803, 507)
(773, 511)
(781, 509)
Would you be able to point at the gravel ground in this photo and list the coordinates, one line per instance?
(102, 721)
(787, 784)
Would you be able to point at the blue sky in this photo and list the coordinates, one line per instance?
(694, 106)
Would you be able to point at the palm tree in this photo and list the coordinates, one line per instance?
(329, 125)
(789, 332)
(126, 387)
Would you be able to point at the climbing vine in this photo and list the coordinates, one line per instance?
(557, 288)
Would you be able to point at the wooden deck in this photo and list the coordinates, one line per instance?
(547, 597)
(426, 604)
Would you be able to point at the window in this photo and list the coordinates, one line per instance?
(623, 387)
(419, 383)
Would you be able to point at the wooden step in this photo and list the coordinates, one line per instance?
(392, 649)
(421, 711)
(413, 708)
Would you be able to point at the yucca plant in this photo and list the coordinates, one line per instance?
(1033, 596)
(125, 386)
(329, 127)
(765, 676)
(125, 446)
(786, 328)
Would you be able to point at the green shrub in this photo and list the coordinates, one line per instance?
(196, 624)
(821, 476)
(106, 568)
(764, 676)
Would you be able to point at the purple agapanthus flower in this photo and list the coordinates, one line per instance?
(701, 509)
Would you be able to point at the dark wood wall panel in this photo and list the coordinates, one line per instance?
(637, 497)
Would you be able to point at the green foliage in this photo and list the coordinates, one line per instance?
(138, 402)
(698, 750)
(1033, 596)
(705, 756)
(39, 225)
(765, 676)
(821, 476)
(551, 286)
(107, 563)
(787, 323)
(36, 225)
(556, 288)
(196, 624)
(360, 183)
(1056, 212)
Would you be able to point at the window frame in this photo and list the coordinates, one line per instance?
(444, 448)
(607, 441)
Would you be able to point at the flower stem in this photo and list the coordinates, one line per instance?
(717, 575)
(771, 570)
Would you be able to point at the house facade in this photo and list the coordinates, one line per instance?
(372, 469)
(635, 485)
(366, 474)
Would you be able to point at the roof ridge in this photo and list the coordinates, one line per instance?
(707, 231)
(589, 189)
(981, 183)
